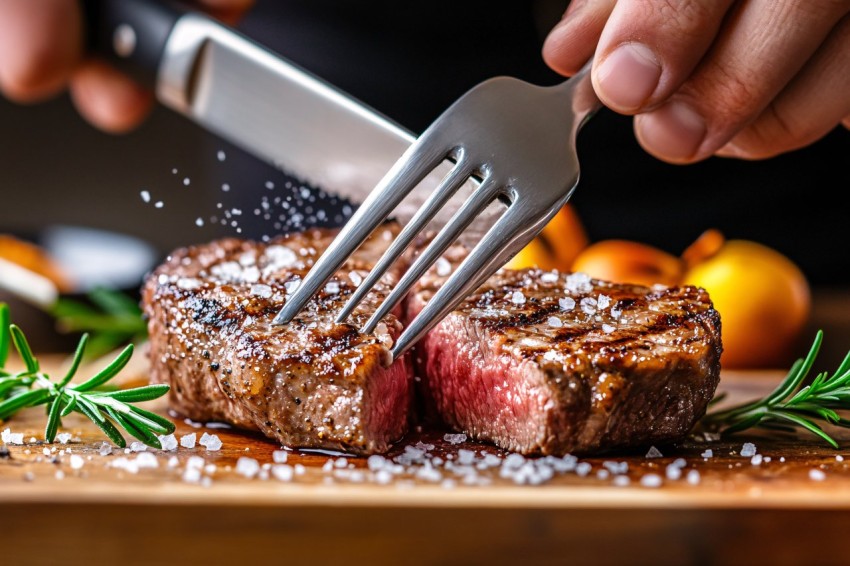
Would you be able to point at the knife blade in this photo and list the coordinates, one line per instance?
(263, 103)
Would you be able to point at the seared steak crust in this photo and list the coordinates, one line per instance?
(551, 363)
(312, 383)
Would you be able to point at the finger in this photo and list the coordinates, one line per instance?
(40, 44)
(109, 99)
(762, 45)
(573, 40)
(811, 106)
(649, 47)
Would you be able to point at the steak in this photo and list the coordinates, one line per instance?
(312, 383)
(553, 363)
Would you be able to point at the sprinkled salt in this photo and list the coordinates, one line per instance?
(158, 204)
(749, 449)
(168, 442)
(283, 472)
(554, 322)
(673, 472)
(588, 305)
(188, 440)
(63, 437)
(192, 475)
(138, 447)
(578, 283)
(817, 475)
(59, 475)
(269, 185)
(260, 290)
(549, 277)
(147, 460)
(692, 477)
(45, 451)
(355, 278)
(839, 458)
(332, 288)
(220, 155)
(10, 437)
(465, 457)
(146, 196)
(518, 298)
(186, 181)
(199, 222)
(603, 302)
(225, 187)
(651, 480)
(454, 438)
(653, 452)
(756, 460)
(247, 467)
(608, 329)
(708, 453)
(583, 469)
(211, 441)
(77, 462)
(567, 303)
(443, 267)
(173, 462)
(621, 481)
(280, 456)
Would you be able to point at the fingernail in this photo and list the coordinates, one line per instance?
(673, 132)
(628, 77)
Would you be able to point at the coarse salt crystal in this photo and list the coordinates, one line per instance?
(210, 441)
(817, 475)
(567, 303)
(549, 277)
(63, 437)
(77, 462)
(465, 457)
(651, 480)
(248, 467)
(578, 283)
(10, 437)
(283, 472)
(588, 305)
(332, 288)
(147, 460)
(708, 453)
(188, 440)
(138, 447)
(146, 196)
(583, 468)
(554, 322)
(355, 278)
(158, 204)
(749, 449)
(518, 298)
(653, 452)
(608, 329)
(280, 456)
(260, 290)
(603, 302)
(443, 267)
(756, 460)
(454, 438)
(168, 442)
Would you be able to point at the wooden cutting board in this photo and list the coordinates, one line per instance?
(76, 496)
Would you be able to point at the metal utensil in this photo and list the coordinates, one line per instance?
(520, 140)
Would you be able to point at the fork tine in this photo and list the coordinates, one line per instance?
(419, 160)
(436, 200)
(474, 205)
(494, 250)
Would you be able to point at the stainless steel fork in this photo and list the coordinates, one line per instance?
(519, 140)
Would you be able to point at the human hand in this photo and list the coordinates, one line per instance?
(734, 78)
(42, 54)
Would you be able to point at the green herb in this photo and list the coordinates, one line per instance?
(112, 319)
(794, 404)
(106, 409)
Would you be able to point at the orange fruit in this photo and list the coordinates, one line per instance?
(625, 261)
(763, 298)
(556, 246)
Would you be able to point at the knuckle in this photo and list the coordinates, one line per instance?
(680, 17)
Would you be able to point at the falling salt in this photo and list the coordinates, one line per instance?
(159, 204)
(225, 187)
(567, 303)
(817, 475)
(199, 222)
(220, 155)
(188, 440)
(146, 196)
(186, 181)
(269, 185)
(211, 441)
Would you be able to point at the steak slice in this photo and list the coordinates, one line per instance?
(310, 384)
(547, 363)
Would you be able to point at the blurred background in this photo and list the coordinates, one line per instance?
(169, 183)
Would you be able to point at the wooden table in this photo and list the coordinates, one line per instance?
(792, 506)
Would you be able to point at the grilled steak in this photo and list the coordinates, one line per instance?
(547, 363)
(312, 383)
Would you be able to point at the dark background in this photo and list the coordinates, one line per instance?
(410, 62)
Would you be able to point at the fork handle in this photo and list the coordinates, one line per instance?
(131, 34)
(580, 90)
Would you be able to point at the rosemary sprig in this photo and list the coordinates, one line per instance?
(32, 387)
(793, 405)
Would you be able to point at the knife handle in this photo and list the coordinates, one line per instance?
(131, 34)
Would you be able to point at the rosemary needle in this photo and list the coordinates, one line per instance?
(106, 409)
(793, 405)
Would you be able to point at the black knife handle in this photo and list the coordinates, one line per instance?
(131, 34)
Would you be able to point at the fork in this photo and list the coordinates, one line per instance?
(519, 141)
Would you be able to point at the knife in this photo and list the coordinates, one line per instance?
(258, 100)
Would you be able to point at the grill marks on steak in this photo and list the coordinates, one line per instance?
(626, 366)
(312, 383)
